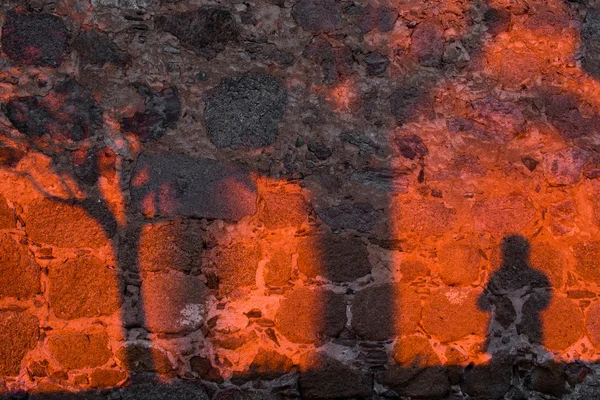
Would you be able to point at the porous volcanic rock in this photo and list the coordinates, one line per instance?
(245, 111)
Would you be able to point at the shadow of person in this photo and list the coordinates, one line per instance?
(515, 295)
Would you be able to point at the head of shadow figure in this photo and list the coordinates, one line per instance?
(516, 294)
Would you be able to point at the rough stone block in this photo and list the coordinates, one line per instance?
(162, 111)
(245, 111)
(564, 167)
(308, 316)
(77, 350)
(328, 378)
(142, 356)
(163, 246)
(427, 43)
(337, 259)
(278, 270)
(83, 287)
(64, 225)
(206, 30)
(562, 324)
(459, 264)
(173, 303)
(283, 209)
(174, 184)
(67, 113)
(359, 216)
(94, 47)
(503, 214)
(452, 313)
(19, 273)
(588, 260)
(266, 365)
(34, 39)
(7, 215)
(382, 312)
(317, 16)
(19, 333)
(415, 351)
(106, 378)
(426, 218)
(237, 265)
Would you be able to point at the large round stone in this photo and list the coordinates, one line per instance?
(34, 39)
(245, 111)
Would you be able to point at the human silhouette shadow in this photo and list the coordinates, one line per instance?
(515, 295)
(515, 287)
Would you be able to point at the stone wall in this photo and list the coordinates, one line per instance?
(315, 199)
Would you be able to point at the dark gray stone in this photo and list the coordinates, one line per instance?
(162, 112)
(320, 151)
(549, 379)
(317, 16)
(76, 117)
(590, 35)
(206, 30)
(530, 163)
(563, 112)
(359, 216)
(427, 43)
(245, 111)
(410, 102)
(174, 184)
(497, 20)
(360, 140)
(373, 313)
(427, 383)
(157, 391)
(382, 18)
(386, 180)
(335, 62)
(330, 379)
(411, 146)
(34, 39)
(338, 259)
(490, 381)
(94, 47)
(376, 63)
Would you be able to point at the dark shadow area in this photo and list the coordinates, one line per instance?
(516, 285)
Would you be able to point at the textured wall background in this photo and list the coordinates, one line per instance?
(312, 198)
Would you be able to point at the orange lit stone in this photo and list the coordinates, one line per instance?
(451, 314)
(415, 351)
(83, 287)
(458, 264)
(19, 333)
(562, 324)
(76, 350)
(310, 315)
(19, 273)
(64, 225)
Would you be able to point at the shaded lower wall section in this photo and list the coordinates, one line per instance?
(278, 299)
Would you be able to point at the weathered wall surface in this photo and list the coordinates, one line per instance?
(312, 198)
